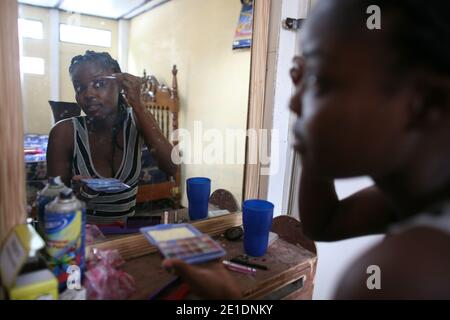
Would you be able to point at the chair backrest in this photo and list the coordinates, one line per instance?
(162, 101)
(63, 110)
(291, 230)
(224, 199)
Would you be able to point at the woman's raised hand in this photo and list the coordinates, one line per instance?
(131, 85)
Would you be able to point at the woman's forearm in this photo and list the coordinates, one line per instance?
(146, 123)
(318, 201)
(326, 218)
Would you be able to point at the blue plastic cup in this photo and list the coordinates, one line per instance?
(198, 190)
(257, 219)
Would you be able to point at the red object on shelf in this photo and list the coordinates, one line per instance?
(179, 294)
(33, 151)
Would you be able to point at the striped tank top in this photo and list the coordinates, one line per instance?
(111, 207)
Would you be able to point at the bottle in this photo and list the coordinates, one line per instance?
(36, 259)
(51, 190)
(65, 236)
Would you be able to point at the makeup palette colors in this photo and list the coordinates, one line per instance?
(183, 241)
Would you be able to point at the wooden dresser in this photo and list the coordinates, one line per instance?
(291, 260)
(290, 274)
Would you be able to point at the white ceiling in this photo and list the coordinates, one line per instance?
(113, 9)
(43, 3)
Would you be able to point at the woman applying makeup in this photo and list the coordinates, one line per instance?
(107, 142)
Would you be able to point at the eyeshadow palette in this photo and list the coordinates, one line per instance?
(183, 241)
(107, 185)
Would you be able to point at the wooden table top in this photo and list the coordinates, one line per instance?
(285, 262)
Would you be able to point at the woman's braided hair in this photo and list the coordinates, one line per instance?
(420, 33)
(108, 63)
(104, 58)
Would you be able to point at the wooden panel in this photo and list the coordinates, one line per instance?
(257, 95)
(306, 292)
(289, 291)
(165, 190)
(150, 192)
(12, 168)
(286, 262)
(163, 99)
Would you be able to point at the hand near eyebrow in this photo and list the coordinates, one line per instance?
(131, 85)
(209, 281)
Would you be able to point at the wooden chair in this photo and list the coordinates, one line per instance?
(291, 230)
(162, 101)
(224, 199)
(63, 110)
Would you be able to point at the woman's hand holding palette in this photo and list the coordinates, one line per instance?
(106, 185)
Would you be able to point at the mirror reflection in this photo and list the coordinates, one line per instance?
(150, 93)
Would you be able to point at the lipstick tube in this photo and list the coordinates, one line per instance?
(238, 267)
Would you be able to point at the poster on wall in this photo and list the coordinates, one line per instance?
(243, 35)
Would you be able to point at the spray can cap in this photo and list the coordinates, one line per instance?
(66, 194)
(55, 181)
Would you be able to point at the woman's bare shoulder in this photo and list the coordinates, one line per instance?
(63, 127)
(61, 134)
(413, 264)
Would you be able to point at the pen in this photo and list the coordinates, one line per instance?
(238, 267)
(248, 264)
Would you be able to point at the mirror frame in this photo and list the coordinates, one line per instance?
(12, 170)
(258, 73)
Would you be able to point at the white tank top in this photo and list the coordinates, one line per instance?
(438, 218)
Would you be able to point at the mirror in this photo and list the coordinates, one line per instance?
(209, 87)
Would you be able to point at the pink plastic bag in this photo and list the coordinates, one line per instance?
(93, 234)
(104, 280)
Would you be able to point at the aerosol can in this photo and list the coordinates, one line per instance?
(53, 188)
(65, 236)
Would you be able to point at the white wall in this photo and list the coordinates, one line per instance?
(213, 79)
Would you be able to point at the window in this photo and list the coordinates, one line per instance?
(30, 29)
(32, 65)
(83, 35)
